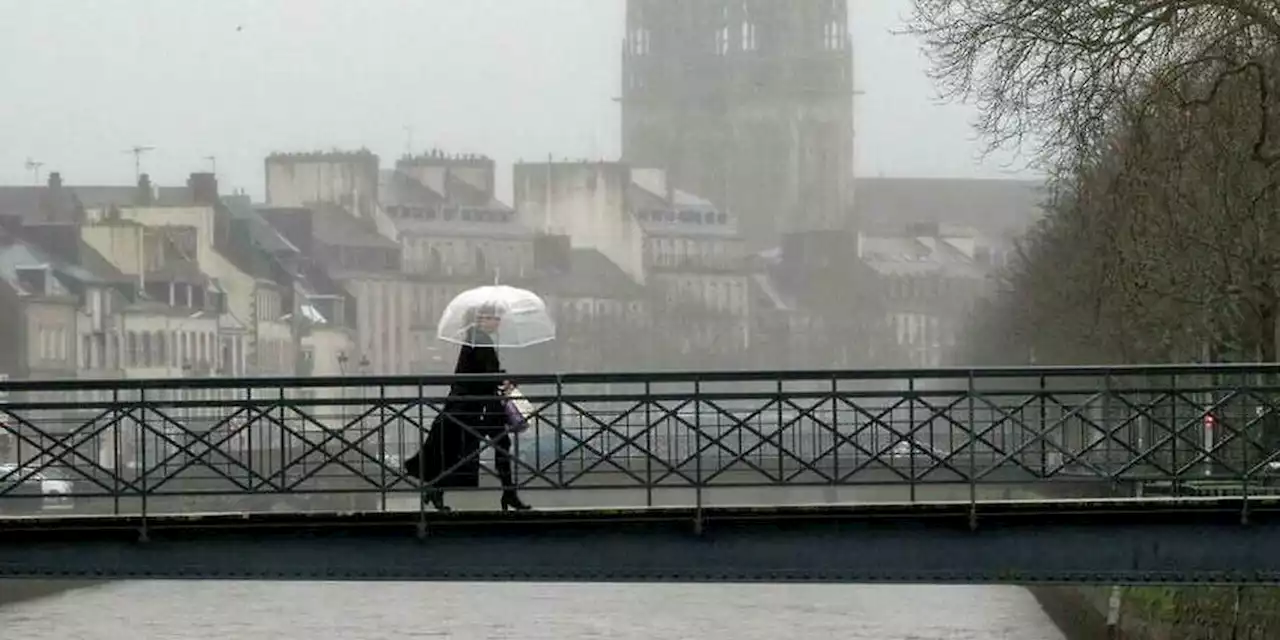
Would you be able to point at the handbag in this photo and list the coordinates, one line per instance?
(518, 409)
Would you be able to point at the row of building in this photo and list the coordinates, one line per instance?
(346, 266)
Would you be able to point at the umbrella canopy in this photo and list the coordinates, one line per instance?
(510, 316)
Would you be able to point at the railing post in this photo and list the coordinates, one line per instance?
(382, 447)
(1044, 428)
(115, 450)
(421, 439)
(284, 456)
(648, 443)
(142, 464)
(559, 431)
(777, 430)
(697, 460)
(1176, 479)
(973, 456)
(911, 426)
(835, 437)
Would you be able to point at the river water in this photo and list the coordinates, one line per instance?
(525, 611)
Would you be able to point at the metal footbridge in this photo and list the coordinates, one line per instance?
(1013, 475)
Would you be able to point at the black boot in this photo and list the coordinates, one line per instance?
(435, 498)
(511, 500)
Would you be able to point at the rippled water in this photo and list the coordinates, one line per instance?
(385, 611)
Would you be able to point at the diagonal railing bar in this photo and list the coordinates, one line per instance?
(874, 457)
(1173, 433)
(740, 427)
(1079, 457)
(820, 428)
(1226, 435)
(851, 439)
(739, 423)
(1266, 409)
(1001, 457)
(604, 428)
(672, 468)
(773, 437)
(1177, 433)
(22, 474)
(311, 446)
(878, 456)
(74, 448)
(1041, 437)
(938, 461)
(198, 461)
(695, 455)
(1074, 412)
(1202, 453)
(277, 480)
(718, 443)
(628, 439)
(873, 421)
(1107, 433)
(1241, 435)
(347, 446)
(1141, 455)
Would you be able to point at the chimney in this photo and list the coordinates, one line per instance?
(55, 180)
(146, 195)
(204, 188)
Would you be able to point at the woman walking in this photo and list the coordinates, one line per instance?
(473, 410)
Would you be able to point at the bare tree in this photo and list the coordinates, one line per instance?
(1060, 70)
(1159, 244)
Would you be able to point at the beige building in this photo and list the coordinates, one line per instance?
(253, 295)
(587, 202)
(454, 234)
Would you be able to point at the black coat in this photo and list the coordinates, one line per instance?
(473, 410)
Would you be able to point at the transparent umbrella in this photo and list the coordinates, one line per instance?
(510, 316)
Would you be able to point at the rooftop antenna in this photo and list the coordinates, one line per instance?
(408, 140)
(137, 152)
(213, 164)
(34, 167)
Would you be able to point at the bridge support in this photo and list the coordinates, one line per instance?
(1103, 542)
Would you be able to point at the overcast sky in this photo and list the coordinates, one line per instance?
(82, 81)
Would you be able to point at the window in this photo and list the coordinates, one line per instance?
(833, 36)
(722, 40)
(748, 31)
(640, 41)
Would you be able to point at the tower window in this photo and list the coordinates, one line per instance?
(722, 41)
(832, 36)
(640, 42)
(749, 36)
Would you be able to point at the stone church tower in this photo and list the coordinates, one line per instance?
(748, 103)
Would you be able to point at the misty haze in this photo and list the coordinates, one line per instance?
(832, 203)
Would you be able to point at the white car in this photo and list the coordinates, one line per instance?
(56, 491)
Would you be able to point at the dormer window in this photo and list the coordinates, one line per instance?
(34, 280)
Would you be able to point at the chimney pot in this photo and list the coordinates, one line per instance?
(146, 194)
(55, 180)
(204, 188)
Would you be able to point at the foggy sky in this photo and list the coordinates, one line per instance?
(81, 82)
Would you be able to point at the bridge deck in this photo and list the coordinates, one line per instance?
(1123, 540)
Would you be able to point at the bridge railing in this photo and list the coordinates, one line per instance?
(155, 446)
